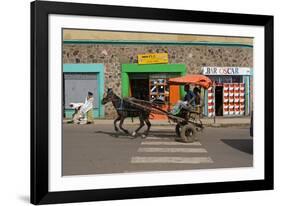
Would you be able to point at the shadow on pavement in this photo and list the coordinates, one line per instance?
(244, 145)
(114, 134)
(152, 133)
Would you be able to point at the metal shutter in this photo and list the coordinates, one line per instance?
(77, 85)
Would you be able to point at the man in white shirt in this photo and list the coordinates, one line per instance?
(87, 109)
(84, 112)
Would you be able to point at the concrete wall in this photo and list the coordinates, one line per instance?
(194, 57)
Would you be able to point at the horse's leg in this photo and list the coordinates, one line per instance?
(144, 135)
(115, 121)
(141, 125)
(121, 125)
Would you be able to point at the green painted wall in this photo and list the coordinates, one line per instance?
(148, 68)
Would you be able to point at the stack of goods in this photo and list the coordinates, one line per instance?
(242, 99)
(211, 102)
(226, 99)
(231, 99)
(236, 99)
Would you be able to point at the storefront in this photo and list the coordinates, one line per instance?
(149, 82)
(78, 79)
(139, 64)
(230, 95)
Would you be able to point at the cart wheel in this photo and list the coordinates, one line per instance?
(178, 130)
(187, 133)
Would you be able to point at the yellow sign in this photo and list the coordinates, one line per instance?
(153, 58)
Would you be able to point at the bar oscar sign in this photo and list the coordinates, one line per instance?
(153, 58)
(226, 70)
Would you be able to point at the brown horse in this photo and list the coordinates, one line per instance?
(124, 109)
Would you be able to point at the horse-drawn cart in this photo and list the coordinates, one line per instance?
(188, 122)
(187, 118)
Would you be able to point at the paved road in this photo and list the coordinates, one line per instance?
(98, 149)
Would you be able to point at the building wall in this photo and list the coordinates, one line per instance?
(193, 56)
(77, 34)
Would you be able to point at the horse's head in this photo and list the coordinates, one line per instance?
(108, 97)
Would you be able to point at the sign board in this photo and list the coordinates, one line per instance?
(226, 71)
(153, 58)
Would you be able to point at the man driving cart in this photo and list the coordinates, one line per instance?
(188, 102)
(186, 113)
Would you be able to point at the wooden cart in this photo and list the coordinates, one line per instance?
(188, 122)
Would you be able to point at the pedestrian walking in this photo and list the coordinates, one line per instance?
(87, 109)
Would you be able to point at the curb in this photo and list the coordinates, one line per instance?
(214, 125)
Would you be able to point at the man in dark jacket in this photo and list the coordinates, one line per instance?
(187, 103)
(189, 96)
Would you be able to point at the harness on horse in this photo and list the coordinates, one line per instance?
(121, 107)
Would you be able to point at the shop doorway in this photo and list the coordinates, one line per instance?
(149, 82)
(154, 85)
(140, 88)
(219, 100)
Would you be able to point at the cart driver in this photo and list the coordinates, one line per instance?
(187, 103)
(189, 96)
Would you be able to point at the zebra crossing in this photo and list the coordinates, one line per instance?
(157, 150)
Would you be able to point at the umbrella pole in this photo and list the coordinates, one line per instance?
(215, 103)
(169, 103)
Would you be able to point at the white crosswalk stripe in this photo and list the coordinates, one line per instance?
(178, 160)
(159, 138)
(167, 151)
(172, 150)
(170, 143)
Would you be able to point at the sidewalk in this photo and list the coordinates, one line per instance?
(207, 122)
(227, 121)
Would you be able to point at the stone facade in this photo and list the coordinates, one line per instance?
(114, 55)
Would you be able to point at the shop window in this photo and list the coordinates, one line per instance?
(159, 88)
(229, 95)
(226, 79)
(149, 86)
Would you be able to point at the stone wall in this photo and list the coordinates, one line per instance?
(113, 55)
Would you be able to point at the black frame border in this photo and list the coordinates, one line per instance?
(39, 102)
